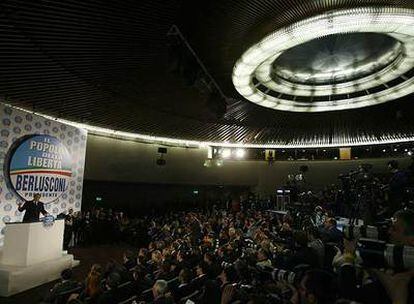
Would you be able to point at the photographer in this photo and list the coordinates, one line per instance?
(383, 286)
(330, 233)
(302, 253)
(397, 183)
(402, 230)
(317, 286)
(360, 194)
(317, 245)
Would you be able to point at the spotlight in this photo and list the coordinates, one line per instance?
(207, 163)
(240, 153)
(226, 153)
(395, 150)
(409, 153)
(384, 150)
(405, 150)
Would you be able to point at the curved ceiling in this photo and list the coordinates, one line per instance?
(111, 65)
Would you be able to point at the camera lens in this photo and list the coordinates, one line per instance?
(282, 275)
(379, 254)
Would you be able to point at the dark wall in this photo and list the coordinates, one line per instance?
(142, 198)
(114, 160)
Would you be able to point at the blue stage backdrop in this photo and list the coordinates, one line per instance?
(39, 155)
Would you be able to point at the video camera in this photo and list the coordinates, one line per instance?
(360, 179)
(377, 232)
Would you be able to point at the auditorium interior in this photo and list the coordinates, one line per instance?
(212, 152)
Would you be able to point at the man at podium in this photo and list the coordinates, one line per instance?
(33, 209)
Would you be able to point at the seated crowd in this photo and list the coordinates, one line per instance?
(249, 253)
(249, 256)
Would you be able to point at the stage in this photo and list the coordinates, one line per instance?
(32, 255)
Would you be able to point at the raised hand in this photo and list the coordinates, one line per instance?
(395, 285)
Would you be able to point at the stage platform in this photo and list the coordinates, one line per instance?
(15, 279)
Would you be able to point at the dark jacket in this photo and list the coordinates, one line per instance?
(60, 288)
(32, 211)
(163, 300)
(113, 296)
(332, 235)
(183, 291)
(129, 264)
(305, 255)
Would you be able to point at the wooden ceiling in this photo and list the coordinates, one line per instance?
(108, 63)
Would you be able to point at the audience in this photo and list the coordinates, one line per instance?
(251, 255)
(65, 285)
(160, 292)
(129, 260)
(111, 294)
(93, 288)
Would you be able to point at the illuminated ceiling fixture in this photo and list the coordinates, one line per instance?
(364, 57)
(226, 153)
(240, 153)
(336, 142)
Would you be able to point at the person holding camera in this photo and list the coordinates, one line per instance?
(396, 185)
(380, 286)
(330, 232)
(317, 286)
(402, 229)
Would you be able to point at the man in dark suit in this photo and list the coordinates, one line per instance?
(113, 294)
(33, 209)
(330, 233)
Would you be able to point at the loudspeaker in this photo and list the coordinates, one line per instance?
(162, 150)
(161, 162)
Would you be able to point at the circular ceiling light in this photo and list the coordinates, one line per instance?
(364, 56)
(337, 58)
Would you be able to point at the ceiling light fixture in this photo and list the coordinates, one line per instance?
(240, 153)
(254, 71)
(226, 153)
(336, 142)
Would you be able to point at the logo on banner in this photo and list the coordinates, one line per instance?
(48, 221)
(39, 164)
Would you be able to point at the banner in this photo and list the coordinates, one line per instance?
(42, 156)
(345, 153)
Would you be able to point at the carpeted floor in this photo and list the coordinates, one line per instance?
(86, 256)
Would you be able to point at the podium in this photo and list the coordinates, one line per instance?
(32, 255)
